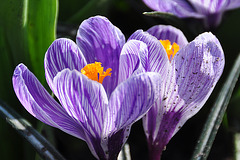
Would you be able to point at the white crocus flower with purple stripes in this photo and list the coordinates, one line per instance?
(211, 11)
(96, 106)
(189, 73)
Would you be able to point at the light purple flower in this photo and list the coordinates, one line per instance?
(100, 114)
(187, 81)
(211, 11)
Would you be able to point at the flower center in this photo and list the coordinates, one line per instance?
(170, 49)
(94, 71)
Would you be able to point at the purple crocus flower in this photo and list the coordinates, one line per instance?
(100, 114)
(188, 78)
(211, 11)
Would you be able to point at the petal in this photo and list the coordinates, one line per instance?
(197, 69)
(116, 142)
(157, 60)
(130, 60)
(131, 100)
(213, 10)
(39, 103)
(214, 6)
(232, 4)
(101, 41)
(194, 73)
(180, 8)
(165, 32)
(85, 100)
(63, 53)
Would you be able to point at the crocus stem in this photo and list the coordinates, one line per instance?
(155, 152)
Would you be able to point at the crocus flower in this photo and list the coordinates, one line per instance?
(189, 74)
(211, 11)
(96, 104)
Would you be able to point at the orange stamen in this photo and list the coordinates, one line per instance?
(170, 49)
(94, 71)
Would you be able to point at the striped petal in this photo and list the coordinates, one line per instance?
(39, 103)
(157, 60)
(128, 103)
(101, 41)
(213, 10)
(192, 77)
(214, 6)
(63, 53)
(131, 100)
(165, 32)
(197, 69)
(83, 99)
(130, 61)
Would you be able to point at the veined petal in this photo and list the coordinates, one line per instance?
(101, 41)
(130, 60)
(39, 103)
(116, 142)
(131, 100)
(63, 53)
(85, 100)
(194, 72)
(197, 67)
(157, 57)
(165, 32)
(180, 8)
(214, 6)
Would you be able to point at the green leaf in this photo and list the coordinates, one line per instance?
(41, 32)
(27, 28)
(168, 17)
(215, 117)
(26, 32)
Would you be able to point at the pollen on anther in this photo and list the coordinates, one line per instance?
(170, 49)
(94, 71)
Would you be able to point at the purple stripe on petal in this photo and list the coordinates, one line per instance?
(164, 32)
(152, 120)
(39, 103)
(158, 139)
(157, 56)
(63, 53)
(130, 60)
(116, 141)
(83, 99)
(101, 41)
(131, 100)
